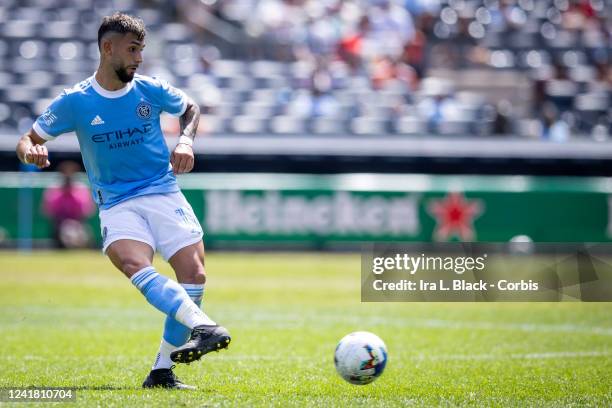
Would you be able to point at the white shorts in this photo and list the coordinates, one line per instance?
(165, 222)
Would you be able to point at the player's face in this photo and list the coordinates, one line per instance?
(128, 57)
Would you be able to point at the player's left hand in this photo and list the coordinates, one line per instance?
(182, 159)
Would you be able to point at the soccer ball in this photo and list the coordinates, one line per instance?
(360, 357)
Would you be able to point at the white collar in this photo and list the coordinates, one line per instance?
(110, 94)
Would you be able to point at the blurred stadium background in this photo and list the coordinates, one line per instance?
(324, 91)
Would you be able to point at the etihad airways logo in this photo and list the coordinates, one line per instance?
(124, 137)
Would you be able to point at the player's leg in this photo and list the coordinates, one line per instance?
(188, 264)
(134, 259)
(189, 269)
(129, 243)
(178, 234)
(130, 256)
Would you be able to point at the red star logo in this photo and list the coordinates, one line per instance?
(455, 217)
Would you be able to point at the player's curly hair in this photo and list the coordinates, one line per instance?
(123, 24)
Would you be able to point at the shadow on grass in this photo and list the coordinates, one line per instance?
(76, 388)
(117, 388)
(105, 388)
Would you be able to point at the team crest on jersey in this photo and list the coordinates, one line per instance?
(143, 110)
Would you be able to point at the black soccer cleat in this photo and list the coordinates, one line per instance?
(203, 340)
(165, 378)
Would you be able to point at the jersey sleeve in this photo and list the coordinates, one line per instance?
(57, 119)
(173, 100)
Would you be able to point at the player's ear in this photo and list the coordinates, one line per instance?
(106, 46)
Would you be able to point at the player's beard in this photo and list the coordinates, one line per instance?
(123, 75)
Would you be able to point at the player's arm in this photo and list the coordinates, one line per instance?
(56, 120)
(31, 150)
(182, 158)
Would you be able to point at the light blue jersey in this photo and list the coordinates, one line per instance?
(119, 133)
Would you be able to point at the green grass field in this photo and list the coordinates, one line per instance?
(71, 320)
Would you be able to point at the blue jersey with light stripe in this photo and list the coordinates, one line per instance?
(119, 133)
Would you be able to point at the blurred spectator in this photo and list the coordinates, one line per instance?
(604, 75)
(323, 102)
(350, 48)
(319, 99)
(208, 55)
(413, 53)
(577, 14)
(392, 27)
(501, 120)
(438, 104)
(554, 128)
(386, 69)
(68, 206)
(423, 7)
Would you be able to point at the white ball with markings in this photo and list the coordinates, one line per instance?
(360, 357)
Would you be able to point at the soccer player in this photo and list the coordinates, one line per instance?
(115, 115)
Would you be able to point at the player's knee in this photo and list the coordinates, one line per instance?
(193, 273)
(130, 265)
(189, 265)
(198, 274)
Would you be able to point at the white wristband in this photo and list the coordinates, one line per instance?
(185, 140)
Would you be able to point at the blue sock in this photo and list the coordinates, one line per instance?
(176, 334)
(169, 297)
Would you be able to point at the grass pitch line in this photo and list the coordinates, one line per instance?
(289, 320)
(529, 327)
(518, 356)
(262, 357)
(142, 319)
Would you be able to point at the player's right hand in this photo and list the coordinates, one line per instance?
(38, 156)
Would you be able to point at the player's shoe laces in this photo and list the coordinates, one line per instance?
(165, 378)
(204, 339)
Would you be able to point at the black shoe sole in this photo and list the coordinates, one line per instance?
(190, 355)
(149, 384)
(169, 387)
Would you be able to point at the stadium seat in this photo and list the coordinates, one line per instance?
(327, 126)
(175, 32)
(228, 68)
(287, 125)
(60, 30)
(21, 93)
(4, 47)
(263, 109)
(227, 109)
(410, 125)
(19, 29)
(369, 125)
(39, 79)
(269, 96)
(211, 124)
(249, 124)
(5, 112)
(456, 128)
